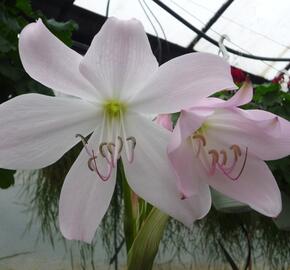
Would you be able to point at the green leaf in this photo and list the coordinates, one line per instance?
(145, 246)
(6, 178)
(5, 45)
(24, 6)
(63, 30)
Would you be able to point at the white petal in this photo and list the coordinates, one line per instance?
(182, 82)
(49, 61)
(119, 60)
(36, 130)
(151, 177)
(84, 198)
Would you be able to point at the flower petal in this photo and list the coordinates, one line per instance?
(262, 137)
(187, 169)
(84, 198)
(182, 82)
(188, 122)
(151, 178)
(243, 96)
(165, 121)
(37, 130)
(119, 60)
(181, 153)
(256, 187)
(49, 61)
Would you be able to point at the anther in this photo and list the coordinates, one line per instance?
(225, 158)
(101, 149)
(215, 159)
(200, 137)
(91, 167)
(110, 147)
(84, 141)
(215, 155)
(133, 140)
(237, 151)
(130, 156)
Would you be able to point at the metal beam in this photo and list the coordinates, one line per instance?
(209, 24)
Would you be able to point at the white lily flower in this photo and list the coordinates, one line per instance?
(111, 90)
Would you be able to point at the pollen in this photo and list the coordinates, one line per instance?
(114, 108)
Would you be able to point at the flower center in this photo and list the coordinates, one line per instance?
(112, 143)
(114, 108)
(230, 162)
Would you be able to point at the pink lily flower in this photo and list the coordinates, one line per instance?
(164, 120)
(109, 93)
(219, 145)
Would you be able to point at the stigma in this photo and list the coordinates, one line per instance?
(230, 161)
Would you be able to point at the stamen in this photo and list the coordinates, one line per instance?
(103, 153)
(200, 137)
(237, 151)
(133, 139)
(92, 164)
(115, 153)
(85, 143)
(133, 145)
(101, 149)
(215, 159)
(240, 172)
(129, 151)
(225, 158)
(110, 147)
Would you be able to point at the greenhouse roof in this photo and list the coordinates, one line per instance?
(253, 27)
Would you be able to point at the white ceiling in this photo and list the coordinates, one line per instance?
(256, 27)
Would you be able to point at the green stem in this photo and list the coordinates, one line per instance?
(146, 244)
(129, 219)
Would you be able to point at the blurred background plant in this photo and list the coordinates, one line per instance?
(220, 237)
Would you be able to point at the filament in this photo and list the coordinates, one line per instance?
(240, 172)
(92, 164)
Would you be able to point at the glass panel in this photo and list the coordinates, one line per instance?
(257, 27)
(175, 31)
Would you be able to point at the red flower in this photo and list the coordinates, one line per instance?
(238, 75)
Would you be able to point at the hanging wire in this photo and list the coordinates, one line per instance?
(221, 37)
(154, 28)
(108, 8)
(213, 41)
(159, 24)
